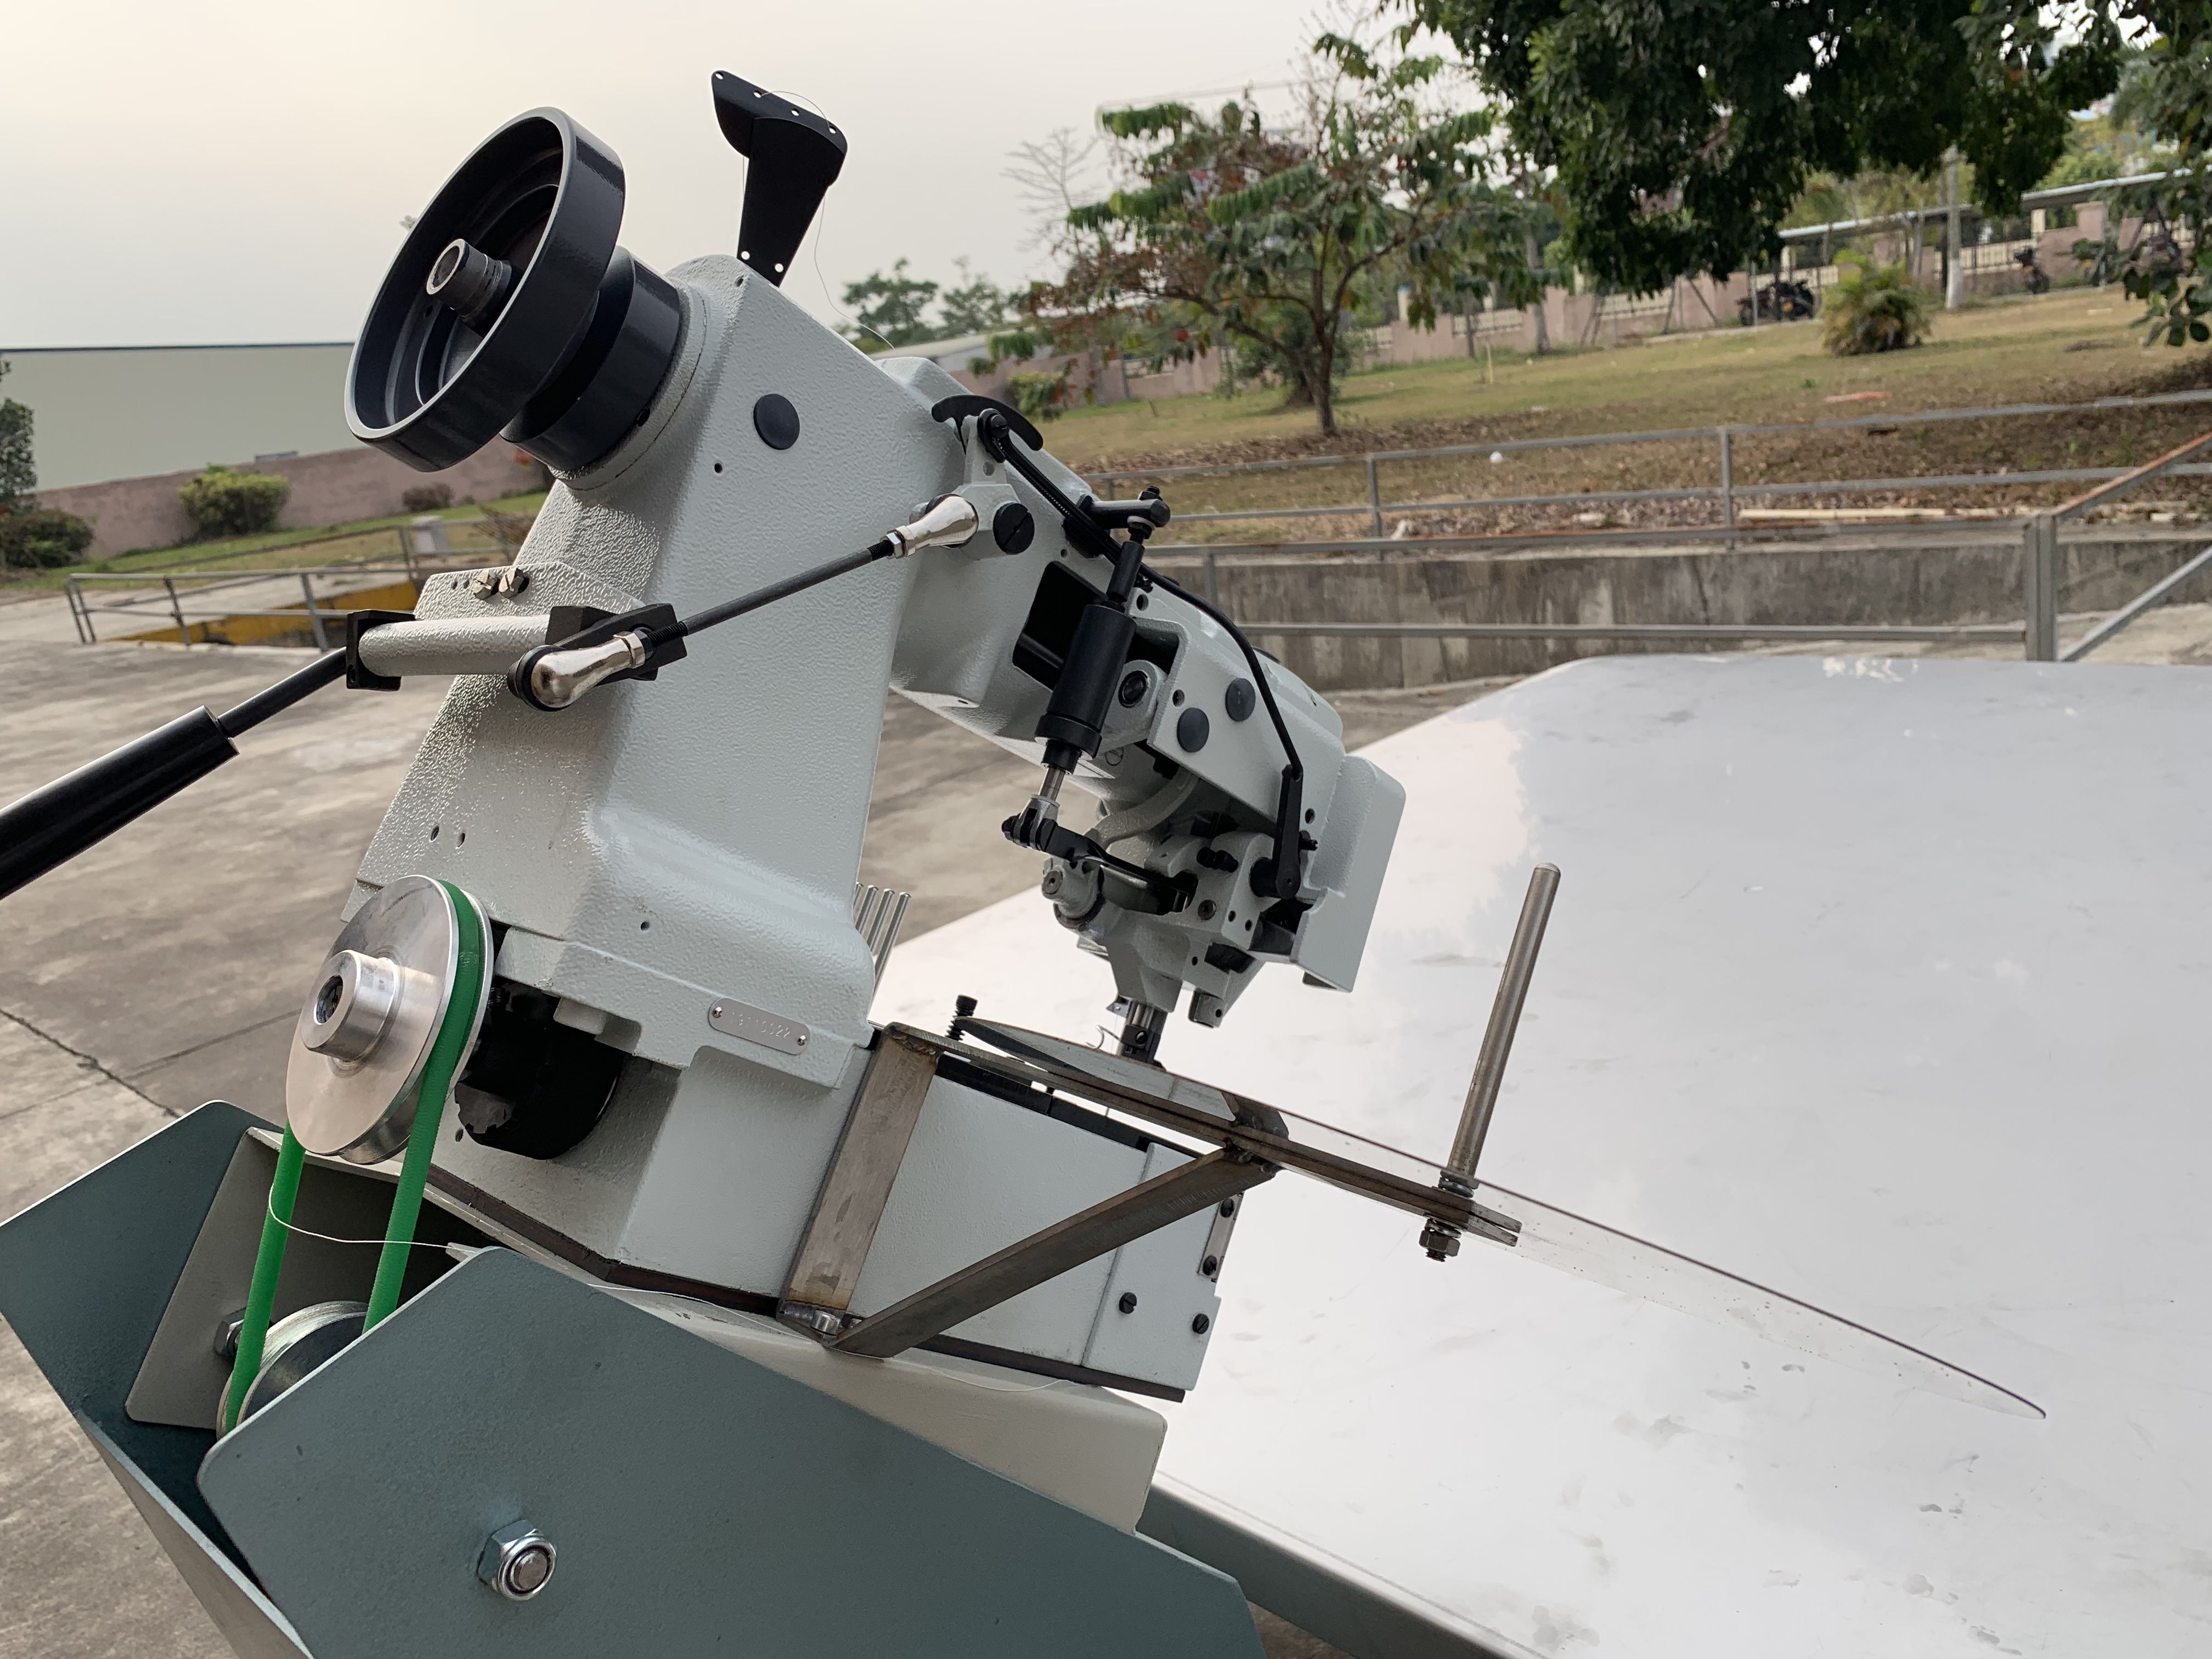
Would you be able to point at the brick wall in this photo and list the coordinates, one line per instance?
(337, 487)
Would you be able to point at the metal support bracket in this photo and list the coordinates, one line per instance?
(1149, 1205)
(851, 1205)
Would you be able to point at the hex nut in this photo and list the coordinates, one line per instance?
(517, 1561)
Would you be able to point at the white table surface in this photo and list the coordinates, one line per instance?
(1885, 983)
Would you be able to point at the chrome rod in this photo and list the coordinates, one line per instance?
(1504, 1018)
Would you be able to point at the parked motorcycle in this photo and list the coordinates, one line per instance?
(1784, 301)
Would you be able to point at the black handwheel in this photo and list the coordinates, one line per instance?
(511, 311)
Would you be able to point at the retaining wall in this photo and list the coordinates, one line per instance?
(1968, 579)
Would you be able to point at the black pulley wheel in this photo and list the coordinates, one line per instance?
(511, 309)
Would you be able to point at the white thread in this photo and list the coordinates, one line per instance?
(413, 1244)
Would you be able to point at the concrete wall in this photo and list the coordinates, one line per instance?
(1968, 579)
(335, 487)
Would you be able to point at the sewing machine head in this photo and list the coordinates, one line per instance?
(653, 851)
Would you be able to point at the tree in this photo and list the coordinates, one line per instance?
(18, 476)
(889, 308)
(2167, 92)
(1275, 245)
(1681, 131)
(976, 305)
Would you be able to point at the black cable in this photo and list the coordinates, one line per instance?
(783, 589)
(998, 439)
(1294, 764)
(282, 694)
(996, 436)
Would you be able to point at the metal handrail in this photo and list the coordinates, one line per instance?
(2042, 576)
(1664, 435)
(161, 596)
(1727, 491)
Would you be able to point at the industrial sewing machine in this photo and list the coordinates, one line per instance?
(801, 1334)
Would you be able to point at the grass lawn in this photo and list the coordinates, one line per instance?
(2068, 346)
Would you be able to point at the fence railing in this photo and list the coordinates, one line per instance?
(2045, 574)
(1726, 490)
(181, 598)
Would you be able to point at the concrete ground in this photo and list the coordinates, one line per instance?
(163, 968)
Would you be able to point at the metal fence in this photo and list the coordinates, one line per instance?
(162, 603)
(1726, 491)
(2042, 569)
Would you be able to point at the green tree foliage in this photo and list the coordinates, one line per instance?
(42, 537)
(1872, 307)
(18, 476)
(887, 308)
(1277, 245)
(2166, 93)
(974, 305)
(1681, 131)
(223, 502)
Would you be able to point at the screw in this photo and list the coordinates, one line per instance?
(1229, 1206)
(1127, 1304)
(1055, 878)
(1133, 688)
(1205, 909)
(1210, 1266)
(517, 1561)
(1200, 1323)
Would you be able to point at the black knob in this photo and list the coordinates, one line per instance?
(1013, 527)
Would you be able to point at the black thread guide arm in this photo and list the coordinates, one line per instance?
(795, 157)
(1089, 525)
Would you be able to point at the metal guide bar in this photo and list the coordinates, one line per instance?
(1241, 1135)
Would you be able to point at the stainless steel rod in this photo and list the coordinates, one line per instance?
(1504, 1018)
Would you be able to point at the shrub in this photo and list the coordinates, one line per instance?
(222, 503)
(427, 498)
(1872, 308)
(42, 538)
(1040, 396)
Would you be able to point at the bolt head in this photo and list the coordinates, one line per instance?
(1127, 1304)
(517, 1561)
(1439, 1240)
(1200, 1324)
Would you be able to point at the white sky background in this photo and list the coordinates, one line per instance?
(182, 173)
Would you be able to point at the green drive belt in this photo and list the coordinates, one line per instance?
(436, 1089)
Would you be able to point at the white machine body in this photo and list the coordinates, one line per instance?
(674, 861)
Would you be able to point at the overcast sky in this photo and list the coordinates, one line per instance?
(237, 171)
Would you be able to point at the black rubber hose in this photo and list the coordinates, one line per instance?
(49, 827)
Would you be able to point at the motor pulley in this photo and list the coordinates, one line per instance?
(511, 311)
